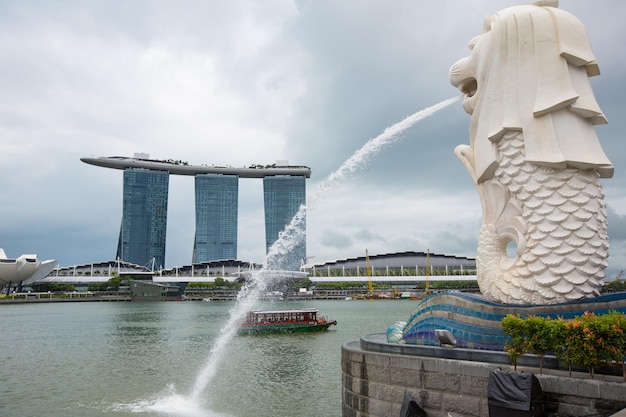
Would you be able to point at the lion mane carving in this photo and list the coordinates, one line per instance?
(534, 156)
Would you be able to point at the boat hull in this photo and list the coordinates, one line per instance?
(285, 328)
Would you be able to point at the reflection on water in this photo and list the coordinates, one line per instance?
(280, 361)
(137, 328)
(284, 364)
(281, 370)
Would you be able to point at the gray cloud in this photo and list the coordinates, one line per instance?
(333, 239)
(237, 83)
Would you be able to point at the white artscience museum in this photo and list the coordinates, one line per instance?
(23, 270)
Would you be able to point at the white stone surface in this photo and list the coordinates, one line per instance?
(535, 157)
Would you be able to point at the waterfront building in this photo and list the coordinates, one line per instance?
(22, 270)
(216, 217)
(398, 268)
(142, 235)
(144, 217)
(283, 197)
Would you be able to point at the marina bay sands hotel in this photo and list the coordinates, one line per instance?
(144, 208)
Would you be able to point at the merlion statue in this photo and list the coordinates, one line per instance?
(535, 157)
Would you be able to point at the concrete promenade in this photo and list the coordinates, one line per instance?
(51, 298)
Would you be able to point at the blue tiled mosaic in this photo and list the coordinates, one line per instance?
(475, 322)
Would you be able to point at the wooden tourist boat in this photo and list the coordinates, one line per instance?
(285, 321)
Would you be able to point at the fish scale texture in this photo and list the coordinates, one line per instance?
(561, 229)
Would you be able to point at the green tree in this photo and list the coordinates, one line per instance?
(52, 287)
(589, 340)
(514, 327)
(539, 335)
(561, 338)
(612, 328)
(614, 286)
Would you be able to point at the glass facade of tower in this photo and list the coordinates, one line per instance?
(283, 196)
(144, 217)
(216, 217)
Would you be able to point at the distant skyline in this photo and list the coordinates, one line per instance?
(241, 83)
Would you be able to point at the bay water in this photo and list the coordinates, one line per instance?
(140, 359)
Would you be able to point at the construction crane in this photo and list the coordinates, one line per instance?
(426, 289)
(368, 268)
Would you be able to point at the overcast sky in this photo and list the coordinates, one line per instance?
(251, 82)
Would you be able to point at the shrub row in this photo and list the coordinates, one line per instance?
(589, 340)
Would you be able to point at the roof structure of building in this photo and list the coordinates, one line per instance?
(97, 272)
(183, 168)
(407, 258)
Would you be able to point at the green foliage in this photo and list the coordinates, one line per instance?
(614, 286)
(48, 286)
(540, 337)
(515, 328)
(616, 339)
(303, 283)
(100, 286)
(589, 340)
(582, 344)
(192, 285)
(219, 283)
(562, 343)
(450, 285)
(112, 284)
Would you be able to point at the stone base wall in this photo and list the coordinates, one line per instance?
(375, 382)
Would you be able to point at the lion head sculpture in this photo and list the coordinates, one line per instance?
(529, 71)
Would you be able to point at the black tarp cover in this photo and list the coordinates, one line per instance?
(512, 390)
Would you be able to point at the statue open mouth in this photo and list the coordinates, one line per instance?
(469, 87)
(462, 77)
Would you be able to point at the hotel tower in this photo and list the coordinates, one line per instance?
(144, 209)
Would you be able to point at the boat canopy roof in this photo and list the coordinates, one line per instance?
(302, 310)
